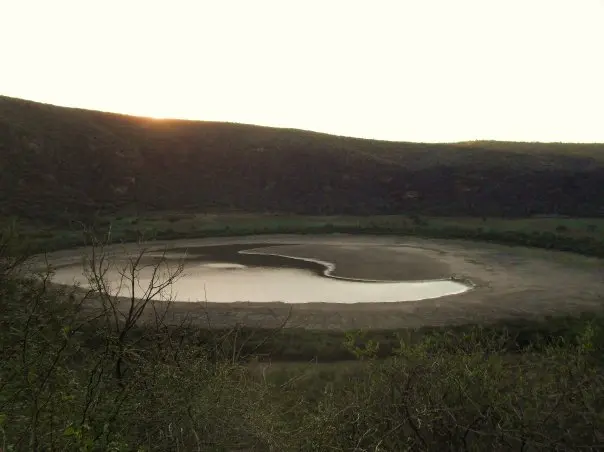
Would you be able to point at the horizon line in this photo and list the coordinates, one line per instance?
(179, 119)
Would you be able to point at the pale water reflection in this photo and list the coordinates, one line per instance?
(231, 282)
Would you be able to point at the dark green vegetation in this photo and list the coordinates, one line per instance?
(76, 378)
(585, 235)
(59, 163)
(73, 378)
(70, 383)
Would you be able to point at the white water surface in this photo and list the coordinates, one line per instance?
(233, 282)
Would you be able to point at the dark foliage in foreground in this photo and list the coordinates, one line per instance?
(59, 391)
(81, 372)
(63, 162)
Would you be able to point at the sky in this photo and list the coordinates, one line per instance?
(417, 70)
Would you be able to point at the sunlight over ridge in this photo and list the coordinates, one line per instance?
(397, 70)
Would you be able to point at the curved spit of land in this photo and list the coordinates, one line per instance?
(507, 281)
(279, 273)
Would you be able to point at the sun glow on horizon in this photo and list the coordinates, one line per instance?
(418, 70)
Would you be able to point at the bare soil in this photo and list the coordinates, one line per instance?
(509, 282)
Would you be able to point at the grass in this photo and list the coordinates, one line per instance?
(301, 345)
(70, 382)
(441, 389)
(584, 235)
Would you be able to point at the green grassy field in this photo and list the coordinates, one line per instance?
(584, 235)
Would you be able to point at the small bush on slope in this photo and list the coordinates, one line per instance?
(75, 378)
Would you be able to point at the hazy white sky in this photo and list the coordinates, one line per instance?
(421, 70)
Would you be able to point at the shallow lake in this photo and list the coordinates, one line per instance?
(231, 273)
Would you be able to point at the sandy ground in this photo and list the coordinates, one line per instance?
(510, 282)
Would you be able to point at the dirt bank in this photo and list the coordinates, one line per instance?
(379, 263)
(510, 282)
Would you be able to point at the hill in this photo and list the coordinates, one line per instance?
(58, 162)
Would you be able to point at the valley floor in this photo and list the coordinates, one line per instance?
(509, 282)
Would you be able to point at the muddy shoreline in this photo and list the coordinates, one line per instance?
(510, 282)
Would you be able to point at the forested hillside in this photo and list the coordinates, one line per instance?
(59, 162)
